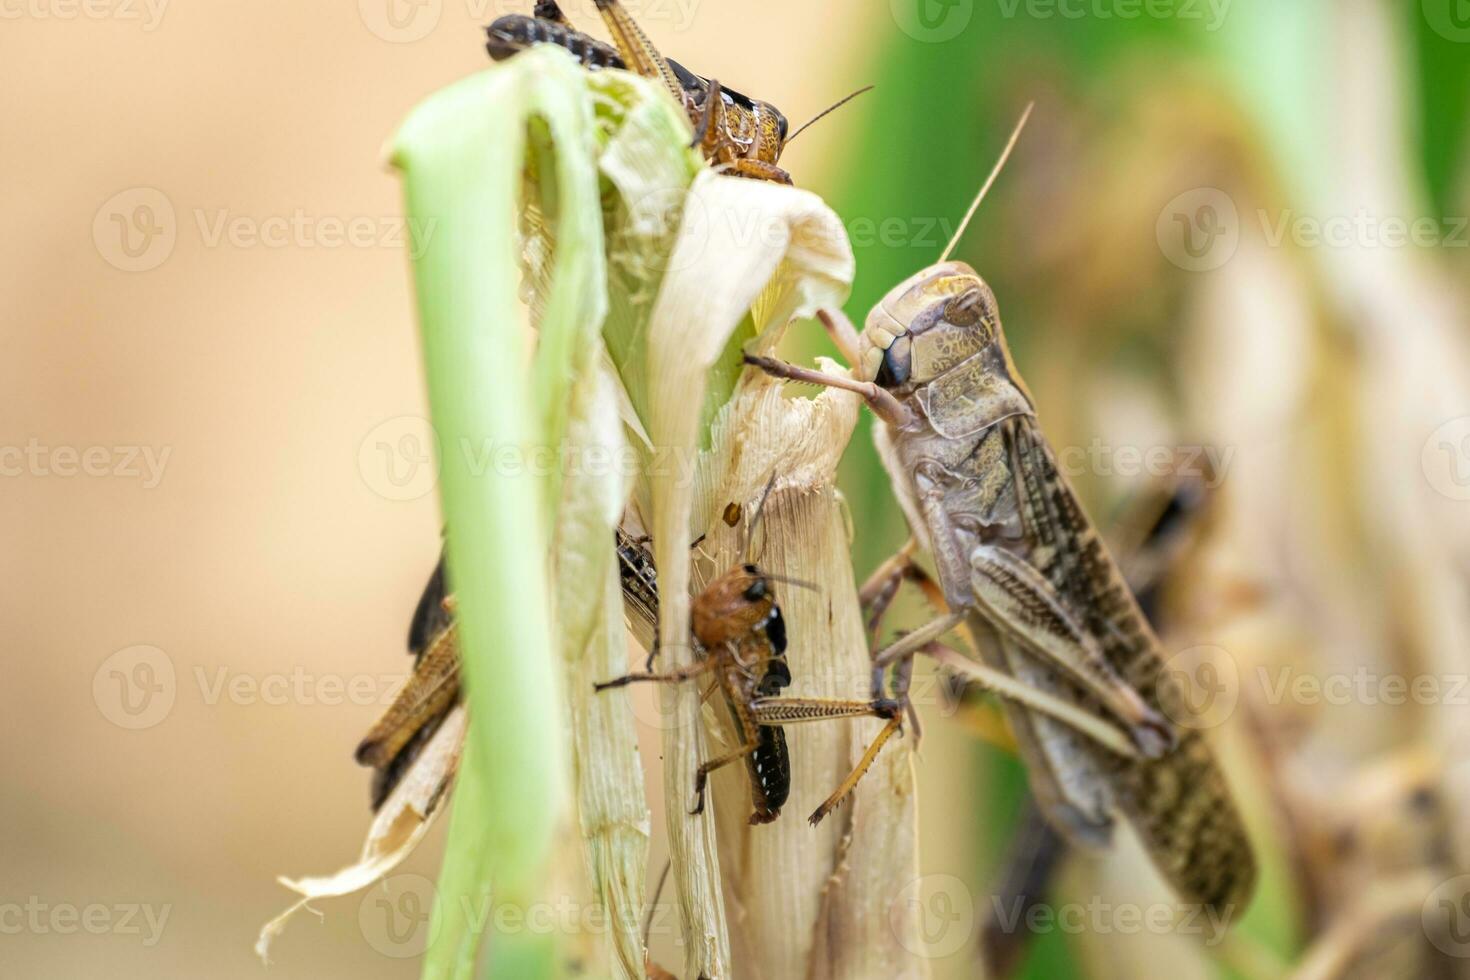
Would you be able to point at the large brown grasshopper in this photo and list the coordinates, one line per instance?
(736, 133)
(1023, 571)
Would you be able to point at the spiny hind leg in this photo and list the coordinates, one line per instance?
(1013, 592)
(792, 711)
(635, 47)
(859, 771)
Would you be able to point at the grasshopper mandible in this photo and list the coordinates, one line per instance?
(736, 133)
(1022, 569)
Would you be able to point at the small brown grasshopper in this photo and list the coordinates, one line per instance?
(740, 638)
(1024, 572)
(736, 133)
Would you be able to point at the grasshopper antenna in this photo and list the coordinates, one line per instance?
(799, 583)
(831, 108)
(985, 189)
(755, 521)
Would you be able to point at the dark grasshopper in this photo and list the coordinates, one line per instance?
(740, 638)
(433, 687)
(1022, 569)
(741, 135)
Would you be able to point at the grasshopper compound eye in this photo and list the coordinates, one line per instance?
(757, 590)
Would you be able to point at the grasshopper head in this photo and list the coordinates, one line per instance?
(736, 604)
(928, 324)
(771, 128)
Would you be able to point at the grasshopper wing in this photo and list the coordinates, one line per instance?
(1179, 803)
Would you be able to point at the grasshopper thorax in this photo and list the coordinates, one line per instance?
(736, 605)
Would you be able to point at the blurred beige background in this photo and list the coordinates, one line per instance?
(207, 579)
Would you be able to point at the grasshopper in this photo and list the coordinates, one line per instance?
(393, 743)
(740, 638)
(1022, 569)
(738, 134)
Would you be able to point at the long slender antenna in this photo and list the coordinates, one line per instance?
(985, 189)
(760, 510)
(831, 108)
